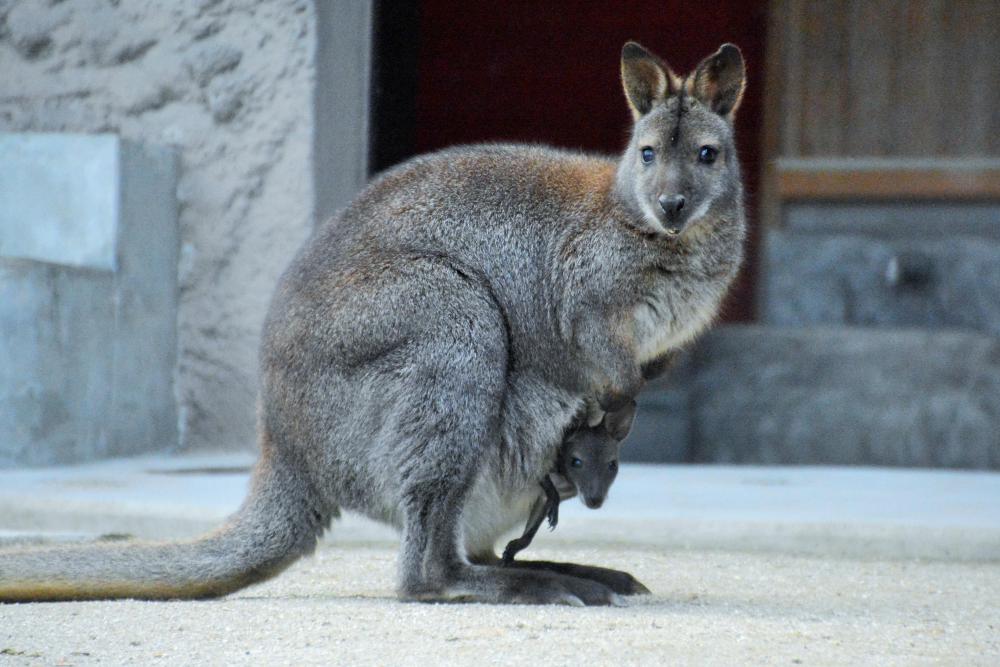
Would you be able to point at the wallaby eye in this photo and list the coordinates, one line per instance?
(613, 466)
(707, 154)
(576, 463)
(647, 154)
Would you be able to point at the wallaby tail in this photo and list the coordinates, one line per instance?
(279, 521)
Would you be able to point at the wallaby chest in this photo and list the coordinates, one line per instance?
(670, 315)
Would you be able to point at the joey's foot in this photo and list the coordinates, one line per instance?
(513, 585)
(620, 582)
(508, 557)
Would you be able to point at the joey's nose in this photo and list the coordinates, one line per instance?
(593, 503)
(671, 204)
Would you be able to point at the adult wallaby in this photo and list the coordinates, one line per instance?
(587, 464)
(427, 349)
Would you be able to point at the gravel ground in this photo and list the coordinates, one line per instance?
(708, 607)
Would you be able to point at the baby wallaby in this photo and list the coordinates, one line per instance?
(587, 464)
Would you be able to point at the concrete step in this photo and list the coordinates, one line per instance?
(841, 395)
(831, 279)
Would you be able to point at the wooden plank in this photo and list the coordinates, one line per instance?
(889, 78)
(787, 16)
(823, 101)
(775, 85)
(889, 183)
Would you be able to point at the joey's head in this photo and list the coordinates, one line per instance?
(590, 455)
(680, 166)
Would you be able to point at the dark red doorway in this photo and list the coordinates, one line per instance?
(450, 72)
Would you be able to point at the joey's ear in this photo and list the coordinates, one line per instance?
(719, 79)
(645, 78)
(619, 423)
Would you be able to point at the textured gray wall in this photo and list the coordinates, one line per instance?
(950, 282)
(229, 84)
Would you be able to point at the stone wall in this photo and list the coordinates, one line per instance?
(229, 85)
(826, 395)
(951, 282)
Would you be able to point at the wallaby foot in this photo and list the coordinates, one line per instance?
(620, 582)
(503, 585)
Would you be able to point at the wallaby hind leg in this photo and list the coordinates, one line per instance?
(448, 425)
(432, 569)
(620, 582)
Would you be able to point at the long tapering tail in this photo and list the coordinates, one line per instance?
(279, 521)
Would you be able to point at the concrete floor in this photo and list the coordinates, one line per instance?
(709, 607)
(747, 566)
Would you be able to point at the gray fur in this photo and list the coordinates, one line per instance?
(427, 349)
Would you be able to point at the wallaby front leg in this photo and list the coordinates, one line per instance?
(611, 352)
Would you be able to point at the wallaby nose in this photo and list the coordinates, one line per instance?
(671, 204)
(593, 503)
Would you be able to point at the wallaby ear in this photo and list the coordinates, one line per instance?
(719, 80)
(619, 423)
(645, 78)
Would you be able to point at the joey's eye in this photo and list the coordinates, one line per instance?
(613, 466)
(576, 463)
(707, 154)
(647, 154)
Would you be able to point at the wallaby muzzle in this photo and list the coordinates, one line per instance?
(673, 211)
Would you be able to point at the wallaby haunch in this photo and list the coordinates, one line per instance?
(587, 464)
(427, 349)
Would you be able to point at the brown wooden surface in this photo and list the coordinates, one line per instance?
(930, 183)
(888, 78)
(898, 80)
